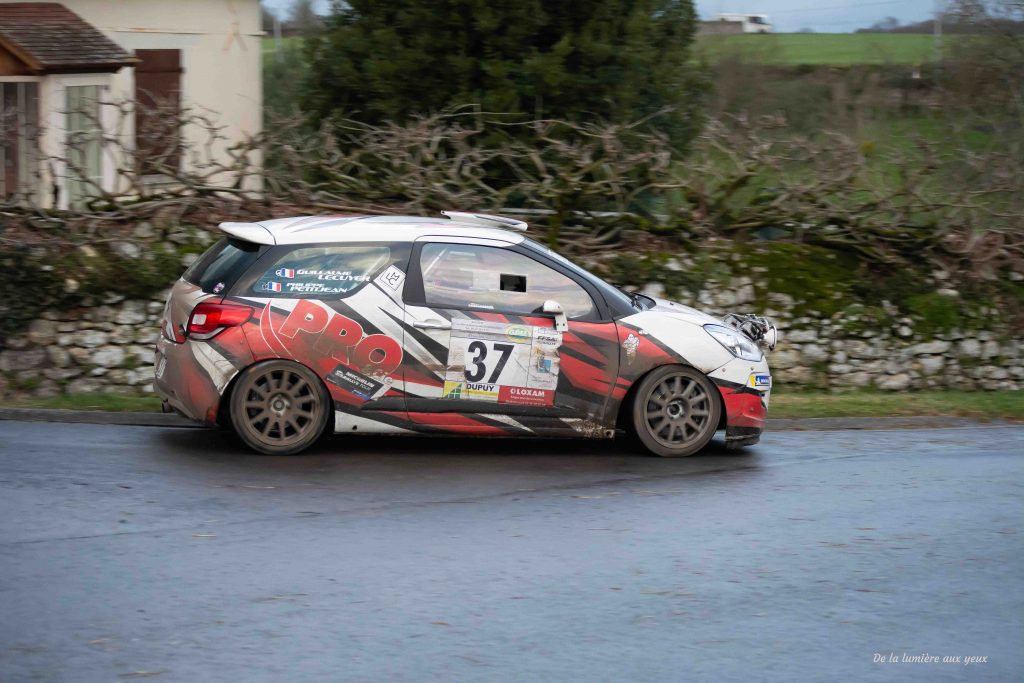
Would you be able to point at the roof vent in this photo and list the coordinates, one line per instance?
(486, 220)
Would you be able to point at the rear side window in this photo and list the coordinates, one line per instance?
(322, 272)
(222, 264)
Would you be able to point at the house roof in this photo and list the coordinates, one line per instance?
(49, 38)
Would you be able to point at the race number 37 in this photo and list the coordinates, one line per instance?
(486, 358)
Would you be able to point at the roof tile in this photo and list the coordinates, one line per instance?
(57, 39)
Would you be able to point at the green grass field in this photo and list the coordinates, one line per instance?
(270, 46)
(837, 49)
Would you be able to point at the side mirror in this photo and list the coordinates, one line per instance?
(554, 308)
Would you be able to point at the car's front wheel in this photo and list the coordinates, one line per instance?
(279, 408)
(675, 411)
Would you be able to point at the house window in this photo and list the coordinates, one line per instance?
(158, 110)
(19, 138)
(84, 165)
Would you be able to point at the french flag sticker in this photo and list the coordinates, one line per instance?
(285, 272)
(272, 286)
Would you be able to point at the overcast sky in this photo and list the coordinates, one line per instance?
(825, 16)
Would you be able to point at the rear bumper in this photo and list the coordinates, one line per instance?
(181, 383)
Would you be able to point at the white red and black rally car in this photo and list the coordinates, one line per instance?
(291, 328)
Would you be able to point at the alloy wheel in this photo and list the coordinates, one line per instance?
(279, 408)
(676, 411)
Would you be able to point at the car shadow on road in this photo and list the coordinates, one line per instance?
(383, 457)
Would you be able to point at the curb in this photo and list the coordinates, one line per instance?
(809, 424)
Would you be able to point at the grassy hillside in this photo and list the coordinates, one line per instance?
(838, 49)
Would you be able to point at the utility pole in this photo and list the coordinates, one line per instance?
(277, 40)
(937, 32)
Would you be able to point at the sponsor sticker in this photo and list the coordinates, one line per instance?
(525, 396)
(392, 278)
(477, 391)
(760, 380)
(362, 363)
(630, 345)
(518, 333)
(355, 382)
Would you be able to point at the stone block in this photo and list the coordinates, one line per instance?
(108, 356)
(13, 360)
(897, 382)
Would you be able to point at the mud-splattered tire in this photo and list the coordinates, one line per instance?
(675, 411)
(279, 408)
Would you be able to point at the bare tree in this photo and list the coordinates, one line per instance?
(302, 17)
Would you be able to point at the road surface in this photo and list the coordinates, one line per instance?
(174, 555)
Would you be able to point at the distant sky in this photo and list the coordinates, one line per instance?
(824, 16)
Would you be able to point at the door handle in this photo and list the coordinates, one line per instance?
(432, 324)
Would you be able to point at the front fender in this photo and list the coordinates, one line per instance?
(650, 339)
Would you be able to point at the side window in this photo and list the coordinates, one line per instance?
(330, 272)
(494, 279)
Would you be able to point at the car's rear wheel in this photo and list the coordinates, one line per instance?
(279, 408)
(675, 411)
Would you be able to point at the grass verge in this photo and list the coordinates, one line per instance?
(982, 405)
(832, 49)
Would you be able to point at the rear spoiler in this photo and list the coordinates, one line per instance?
(248, 232)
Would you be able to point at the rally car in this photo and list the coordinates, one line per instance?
(292, 328)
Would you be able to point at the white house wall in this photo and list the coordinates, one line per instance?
(221, 53)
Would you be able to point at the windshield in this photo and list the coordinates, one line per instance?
(616, 298)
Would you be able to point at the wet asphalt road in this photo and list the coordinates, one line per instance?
(130, 552)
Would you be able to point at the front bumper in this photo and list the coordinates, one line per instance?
(746, 391)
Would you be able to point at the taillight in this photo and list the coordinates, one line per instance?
(209, 319)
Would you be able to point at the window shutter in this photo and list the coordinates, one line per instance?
(158, 109)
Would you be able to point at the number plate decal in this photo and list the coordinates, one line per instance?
(502, 362)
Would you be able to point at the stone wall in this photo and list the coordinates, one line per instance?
(847, 351)
(109, 347)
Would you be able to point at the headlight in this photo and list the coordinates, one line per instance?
(737, 344)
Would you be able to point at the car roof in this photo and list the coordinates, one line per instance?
(340, 229)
